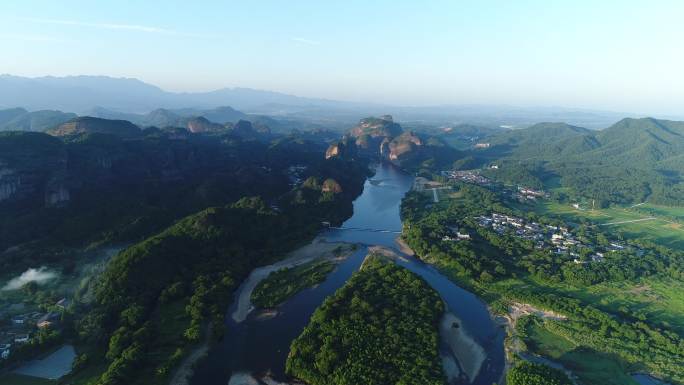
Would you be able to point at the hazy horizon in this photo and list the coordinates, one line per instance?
(613, 56)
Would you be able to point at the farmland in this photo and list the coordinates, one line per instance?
(660, 224)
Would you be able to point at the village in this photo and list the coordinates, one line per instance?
(19, 329)
(519, 193)
(467, 176)
(557, 239)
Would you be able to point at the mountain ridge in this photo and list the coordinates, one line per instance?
(81, 94)
(628, 162)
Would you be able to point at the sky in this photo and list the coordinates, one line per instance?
(611, 55)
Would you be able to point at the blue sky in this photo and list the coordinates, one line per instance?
(617, 55)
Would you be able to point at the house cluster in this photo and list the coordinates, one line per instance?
(500, 223)
(468, 176)
(20, 327)
(557, 239)
(528, 194)
(455, 235)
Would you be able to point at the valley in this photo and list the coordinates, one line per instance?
(485, 240)
(341, 193)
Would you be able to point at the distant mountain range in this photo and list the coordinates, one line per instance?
(85, 94)
(18, 119)
(161, 117)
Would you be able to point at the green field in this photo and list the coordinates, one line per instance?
(591, 367)
(658, 300)
(675, 214)
(664, 228)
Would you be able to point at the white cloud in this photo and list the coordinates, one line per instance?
(130, 27)
(39, 276)
(32, 38)
(305, 41)
(113, 26)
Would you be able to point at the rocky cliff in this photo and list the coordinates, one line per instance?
(201, 124)
(29, 162)
(382, 138)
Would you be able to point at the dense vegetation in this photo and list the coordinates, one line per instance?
(197, 262)
(112, 190)
(380, 328)
(630, 162)
(527, 373)
(489, 257)
(502, 255)
(202, 210)
(283, 284)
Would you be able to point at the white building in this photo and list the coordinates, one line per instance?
(21, 338)
(5, 351)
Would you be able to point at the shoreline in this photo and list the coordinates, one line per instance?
(516, 310)
(404, 247)
(466, 356)
(317, 249)
(185, 370)
(468, 353)
(504, 322)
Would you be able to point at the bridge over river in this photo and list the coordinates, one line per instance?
(370, 230)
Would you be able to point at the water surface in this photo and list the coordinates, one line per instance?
(260, 346)
(54, 366)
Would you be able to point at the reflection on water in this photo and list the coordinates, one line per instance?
(645, 379)
(260, 345)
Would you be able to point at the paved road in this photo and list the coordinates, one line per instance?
(632, 221)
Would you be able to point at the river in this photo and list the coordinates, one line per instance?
(259, 346)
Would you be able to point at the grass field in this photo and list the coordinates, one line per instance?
(674, 213)
(658, 300)
(591, 367)
(663, 227)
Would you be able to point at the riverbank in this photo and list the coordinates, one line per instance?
(185, 370)
(404, 247)
(513, 344)
(462, 347)
(469, 354)
(317, 249)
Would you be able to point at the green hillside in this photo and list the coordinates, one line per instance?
(630, 162)
(18, 119)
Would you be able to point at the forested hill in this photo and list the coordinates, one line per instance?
(198, 262)
(18, 119)
(109, 181)
(201, 210)
(380, 328)
(652, 141)
(629, 162)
